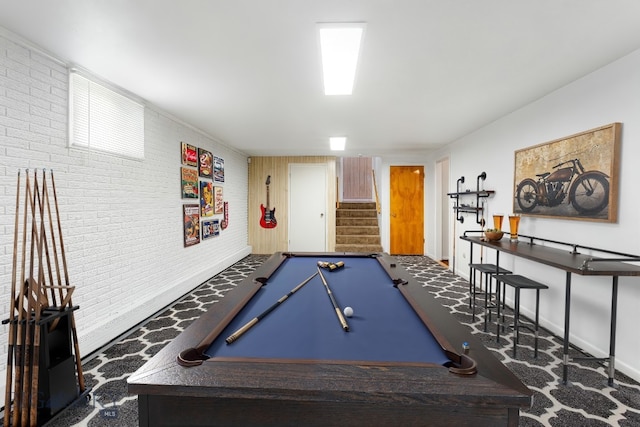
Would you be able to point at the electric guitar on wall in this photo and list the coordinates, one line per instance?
(268, 218)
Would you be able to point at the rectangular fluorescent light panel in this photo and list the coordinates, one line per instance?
(340, 47)
(337, 143)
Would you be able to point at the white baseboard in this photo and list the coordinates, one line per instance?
(95, 338)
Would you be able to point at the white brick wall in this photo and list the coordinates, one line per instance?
(121, 218)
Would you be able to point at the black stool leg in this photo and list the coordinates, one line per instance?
(504, 305)
(487, 300)
(471, 289)
(498, 297)
(516, 322)
(472, 292)
(535, 346)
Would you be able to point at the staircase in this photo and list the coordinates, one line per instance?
(357, 228)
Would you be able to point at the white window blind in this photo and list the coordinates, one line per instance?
(101, 119)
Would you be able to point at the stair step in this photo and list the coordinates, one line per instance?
(342, 230)
(357, 205)
(358, 239)
(350, 222)
(358, 248)
(356, 213)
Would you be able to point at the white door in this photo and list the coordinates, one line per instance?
(307, 207)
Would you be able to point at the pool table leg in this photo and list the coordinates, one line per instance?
(143, 410)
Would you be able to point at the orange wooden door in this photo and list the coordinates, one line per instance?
(407, 210)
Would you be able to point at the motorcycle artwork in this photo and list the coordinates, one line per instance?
(586, 191)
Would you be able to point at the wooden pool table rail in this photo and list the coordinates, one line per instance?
(243, 392)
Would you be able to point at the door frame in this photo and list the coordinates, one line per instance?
(442, 216)
(424, 202)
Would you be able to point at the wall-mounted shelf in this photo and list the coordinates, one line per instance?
(461, 208)
(482, 193)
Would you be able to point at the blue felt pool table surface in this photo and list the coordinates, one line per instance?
(305, 326)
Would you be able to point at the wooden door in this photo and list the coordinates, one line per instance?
(407, 210)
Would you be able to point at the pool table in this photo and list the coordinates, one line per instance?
(402, 359)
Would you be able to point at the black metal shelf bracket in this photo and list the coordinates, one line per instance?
(459, 216)
(479, 218)
(480, 194)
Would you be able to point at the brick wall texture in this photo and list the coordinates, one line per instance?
(121, 218)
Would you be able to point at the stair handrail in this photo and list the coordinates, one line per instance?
(375, 190)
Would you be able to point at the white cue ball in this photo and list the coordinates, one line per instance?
(348, 311)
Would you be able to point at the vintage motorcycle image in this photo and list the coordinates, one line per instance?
(588, 190)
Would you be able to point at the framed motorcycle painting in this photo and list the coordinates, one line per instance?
(575, 177)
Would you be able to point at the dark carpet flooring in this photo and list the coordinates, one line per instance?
(587, 401)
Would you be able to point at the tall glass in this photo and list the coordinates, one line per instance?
(497, 221)
(514, 222)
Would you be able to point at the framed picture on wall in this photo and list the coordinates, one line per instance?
(210, 228)
(206, 198)
(575, 177)
(205, 163)
(189, 154)
(189, 183)
(218, 200)
(218, 169)
(191, 222)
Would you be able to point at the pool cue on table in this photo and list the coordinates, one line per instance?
(12, 307)
(234, 336)
(341, 318)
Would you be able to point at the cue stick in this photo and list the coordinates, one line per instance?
(17, 394)
(12, 307)
(74, 332)
(234, 336)
(33, 409)
(341, 318)
(55, 254)
(44, 203)
(33, 306)
(28, 341)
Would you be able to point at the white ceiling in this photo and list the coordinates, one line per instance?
(247, 72)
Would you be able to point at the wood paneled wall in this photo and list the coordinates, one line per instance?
(357, 179)
(267, 241)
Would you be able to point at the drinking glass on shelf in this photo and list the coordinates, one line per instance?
(497, 221)
(514, 222)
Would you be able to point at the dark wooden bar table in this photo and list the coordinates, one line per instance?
(569, 259)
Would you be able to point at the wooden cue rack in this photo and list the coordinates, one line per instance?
(44, 370)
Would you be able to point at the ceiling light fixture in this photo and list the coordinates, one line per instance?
(337, 143)
(340, 48)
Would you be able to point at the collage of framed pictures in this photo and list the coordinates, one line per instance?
(201, 174)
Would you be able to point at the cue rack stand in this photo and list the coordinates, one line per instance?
(44, 369)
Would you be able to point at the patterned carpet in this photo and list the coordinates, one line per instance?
(586, 401)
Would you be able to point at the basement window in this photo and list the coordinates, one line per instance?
(101, 119)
